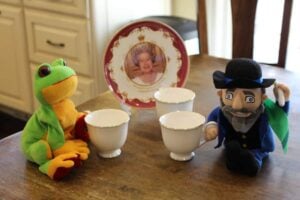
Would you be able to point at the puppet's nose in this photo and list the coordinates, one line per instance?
(237, 103)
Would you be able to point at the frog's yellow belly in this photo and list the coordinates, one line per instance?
(66, 113)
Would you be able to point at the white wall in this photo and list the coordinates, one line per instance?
(293, 51)
(121, 12)
(219, 28)
(185, 8)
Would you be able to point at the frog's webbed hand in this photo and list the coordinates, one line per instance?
(78, 146)
(61, 165)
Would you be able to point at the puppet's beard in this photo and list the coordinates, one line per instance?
(241, 124)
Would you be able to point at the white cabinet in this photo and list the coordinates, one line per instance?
(61, 29)
(54, 35)
(15, 85)
(72, 7)
(13, 2)
(37, 31)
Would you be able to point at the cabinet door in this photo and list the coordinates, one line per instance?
(15, 90)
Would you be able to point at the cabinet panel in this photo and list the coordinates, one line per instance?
(32, 70)
(85, 90)
(74, 7)
(17, 2)
(15, 90)
(53, 35)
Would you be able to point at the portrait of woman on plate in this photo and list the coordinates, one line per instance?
(145, 63)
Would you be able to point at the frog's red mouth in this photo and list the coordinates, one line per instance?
(63, 80)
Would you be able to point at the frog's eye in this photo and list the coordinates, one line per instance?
(64, 63)
(44, 71)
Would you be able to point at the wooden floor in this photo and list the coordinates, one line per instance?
(10, 125)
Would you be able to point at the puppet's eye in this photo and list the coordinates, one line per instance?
(44, 71)
(249, 99)
(229, 96)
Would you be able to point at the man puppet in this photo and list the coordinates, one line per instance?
(243, 119)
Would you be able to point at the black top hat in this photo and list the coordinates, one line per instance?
(241, 73)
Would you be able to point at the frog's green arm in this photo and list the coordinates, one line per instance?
(38, 150)
(35, 148)
(34, 143)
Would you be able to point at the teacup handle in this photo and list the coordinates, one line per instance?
(202, 142)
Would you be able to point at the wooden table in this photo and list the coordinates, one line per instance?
(145, 171)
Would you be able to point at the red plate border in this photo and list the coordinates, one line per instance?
(178, 43)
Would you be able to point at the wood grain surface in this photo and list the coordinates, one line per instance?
(144, 169)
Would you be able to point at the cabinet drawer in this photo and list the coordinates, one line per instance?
(73, 7)
(52, 35)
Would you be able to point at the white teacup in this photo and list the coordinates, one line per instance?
(171, 99)
(108, 131)
(182, 133)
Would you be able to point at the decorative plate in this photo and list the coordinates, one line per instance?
(142, 57)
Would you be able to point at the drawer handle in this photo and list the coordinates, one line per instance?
(62, 45)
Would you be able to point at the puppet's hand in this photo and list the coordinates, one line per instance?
(285, 90)
(211, 132)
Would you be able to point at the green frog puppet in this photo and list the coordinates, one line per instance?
(55, 136)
